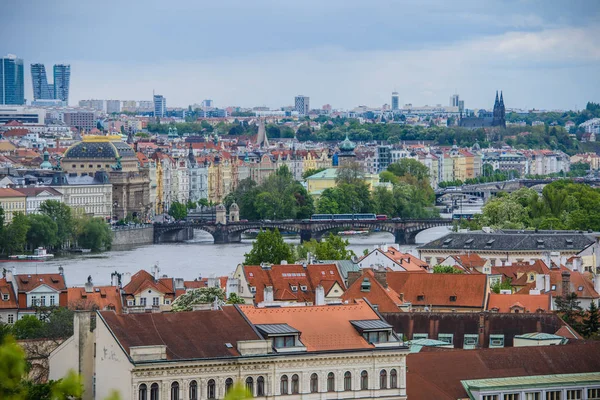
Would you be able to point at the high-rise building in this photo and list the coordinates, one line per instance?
(395, 101)
(302, 104)
(62, 80)
(207, 104)
(113, 106)
(12, 83)
(454, 99)
(83, 120)
(41, 89)
(160, 106)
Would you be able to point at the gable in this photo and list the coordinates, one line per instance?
(332, 291)
(43, 288)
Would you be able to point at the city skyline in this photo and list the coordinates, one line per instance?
(543, 54)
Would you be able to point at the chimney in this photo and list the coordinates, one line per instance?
(89, 285)
(546, 283)
(566, 283)
(353, 277)
(384, 248)
(555, 256)
(539, 282)
(268, 294)
(319, 296)
(381, 277)
(179, 283)
(155, 272)
(481, 330)
(577, 264)
(125, 278)
(546, 258)
(402, 297)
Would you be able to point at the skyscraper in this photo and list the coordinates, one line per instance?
(62, 80)
(160, 106)
(302, 104)
(12, 84)
(41, 89)
(395, 102)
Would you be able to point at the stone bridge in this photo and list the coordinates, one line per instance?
(404, 231)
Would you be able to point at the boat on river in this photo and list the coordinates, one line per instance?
(39, 254)
(352, 233)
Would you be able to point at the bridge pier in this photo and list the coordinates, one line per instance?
(179, 235)
(305, 235)
(403, 237)
(222, 236)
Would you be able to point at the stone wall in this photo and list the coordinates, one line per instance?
(126, 238)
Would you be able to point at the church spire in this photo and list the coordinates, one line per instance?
(501, 99)
(191, 158)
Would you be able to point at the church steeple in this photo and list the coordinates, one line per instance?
(191, 158)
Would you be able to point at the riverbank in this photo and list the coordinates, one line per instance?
(188, 260)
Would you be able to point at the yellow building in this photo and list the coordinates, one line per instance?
(325, 179)
(12, 202)
(220, 180)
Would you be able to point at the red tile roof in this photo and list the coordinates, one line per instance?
(438, 374)
(404, 260)
(26, 283)
(7, 192)
(322, 327)
(284, 278)
(7, 288)
(187, 335)
(579, 283)
(142, 280)
(437, 289)
(386, 299)
(104, 297)
(530, 302)
(469, 261)
(34, 191)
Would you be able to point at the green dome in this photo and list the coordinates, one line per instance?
(46, 163)
(347, 145)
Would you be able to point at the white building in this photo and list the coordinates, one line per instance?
(36, 195)
(90, 194)
(303, 352)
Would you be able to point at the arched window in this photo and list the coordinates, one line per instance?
(211, 389)
(383, 379)
(250, 385)
(228, 385)
(331, 382)
(260, 386)
(175, 391)
(347, 381)
(295, 384)
(154, 391)
(193, 390)
(143, 392)
(364, 380)
(284, 384)
(393, 379)
(314, 383)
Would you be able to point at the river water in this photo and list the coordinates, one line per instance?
(188, 260)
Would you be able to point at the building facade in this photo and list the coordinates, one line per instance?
(62, 82)
(160, 106)
(39, 81)
(302, 104)
(12, 83)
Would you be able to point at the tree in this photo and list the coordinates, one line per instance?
(383, 201)
(269, 247)
(591, 325)
(409, 166)
(60, 213)
(43, 231)
(190, 205)
(446, 269)
(206, 295)
(28, 327)
(504, 284)
(94, 234)
(15, 234)
(178, 211)
(311, 172)
(351, 173)
(13, 368)
(570, 308)
(234, 298)
(239, 391)
(332, 247)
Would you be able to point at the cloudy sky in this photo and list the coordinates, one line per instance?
(541, 53)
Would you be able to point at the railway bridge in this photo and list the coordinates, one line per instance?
(404, 230)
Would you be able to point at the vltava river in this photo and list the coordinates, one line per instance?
(189, 260)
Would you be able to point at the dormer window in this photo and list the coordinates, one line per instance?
(569, 243)
(374, 330)
(421, 297)
(283, 336)
(452, 298)
(469, 242)
(303, 288)
(553, 287)
(365, 286)
(5, 296)
(489, 243)
(252, 289)
(294, 288)
(540, 244)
